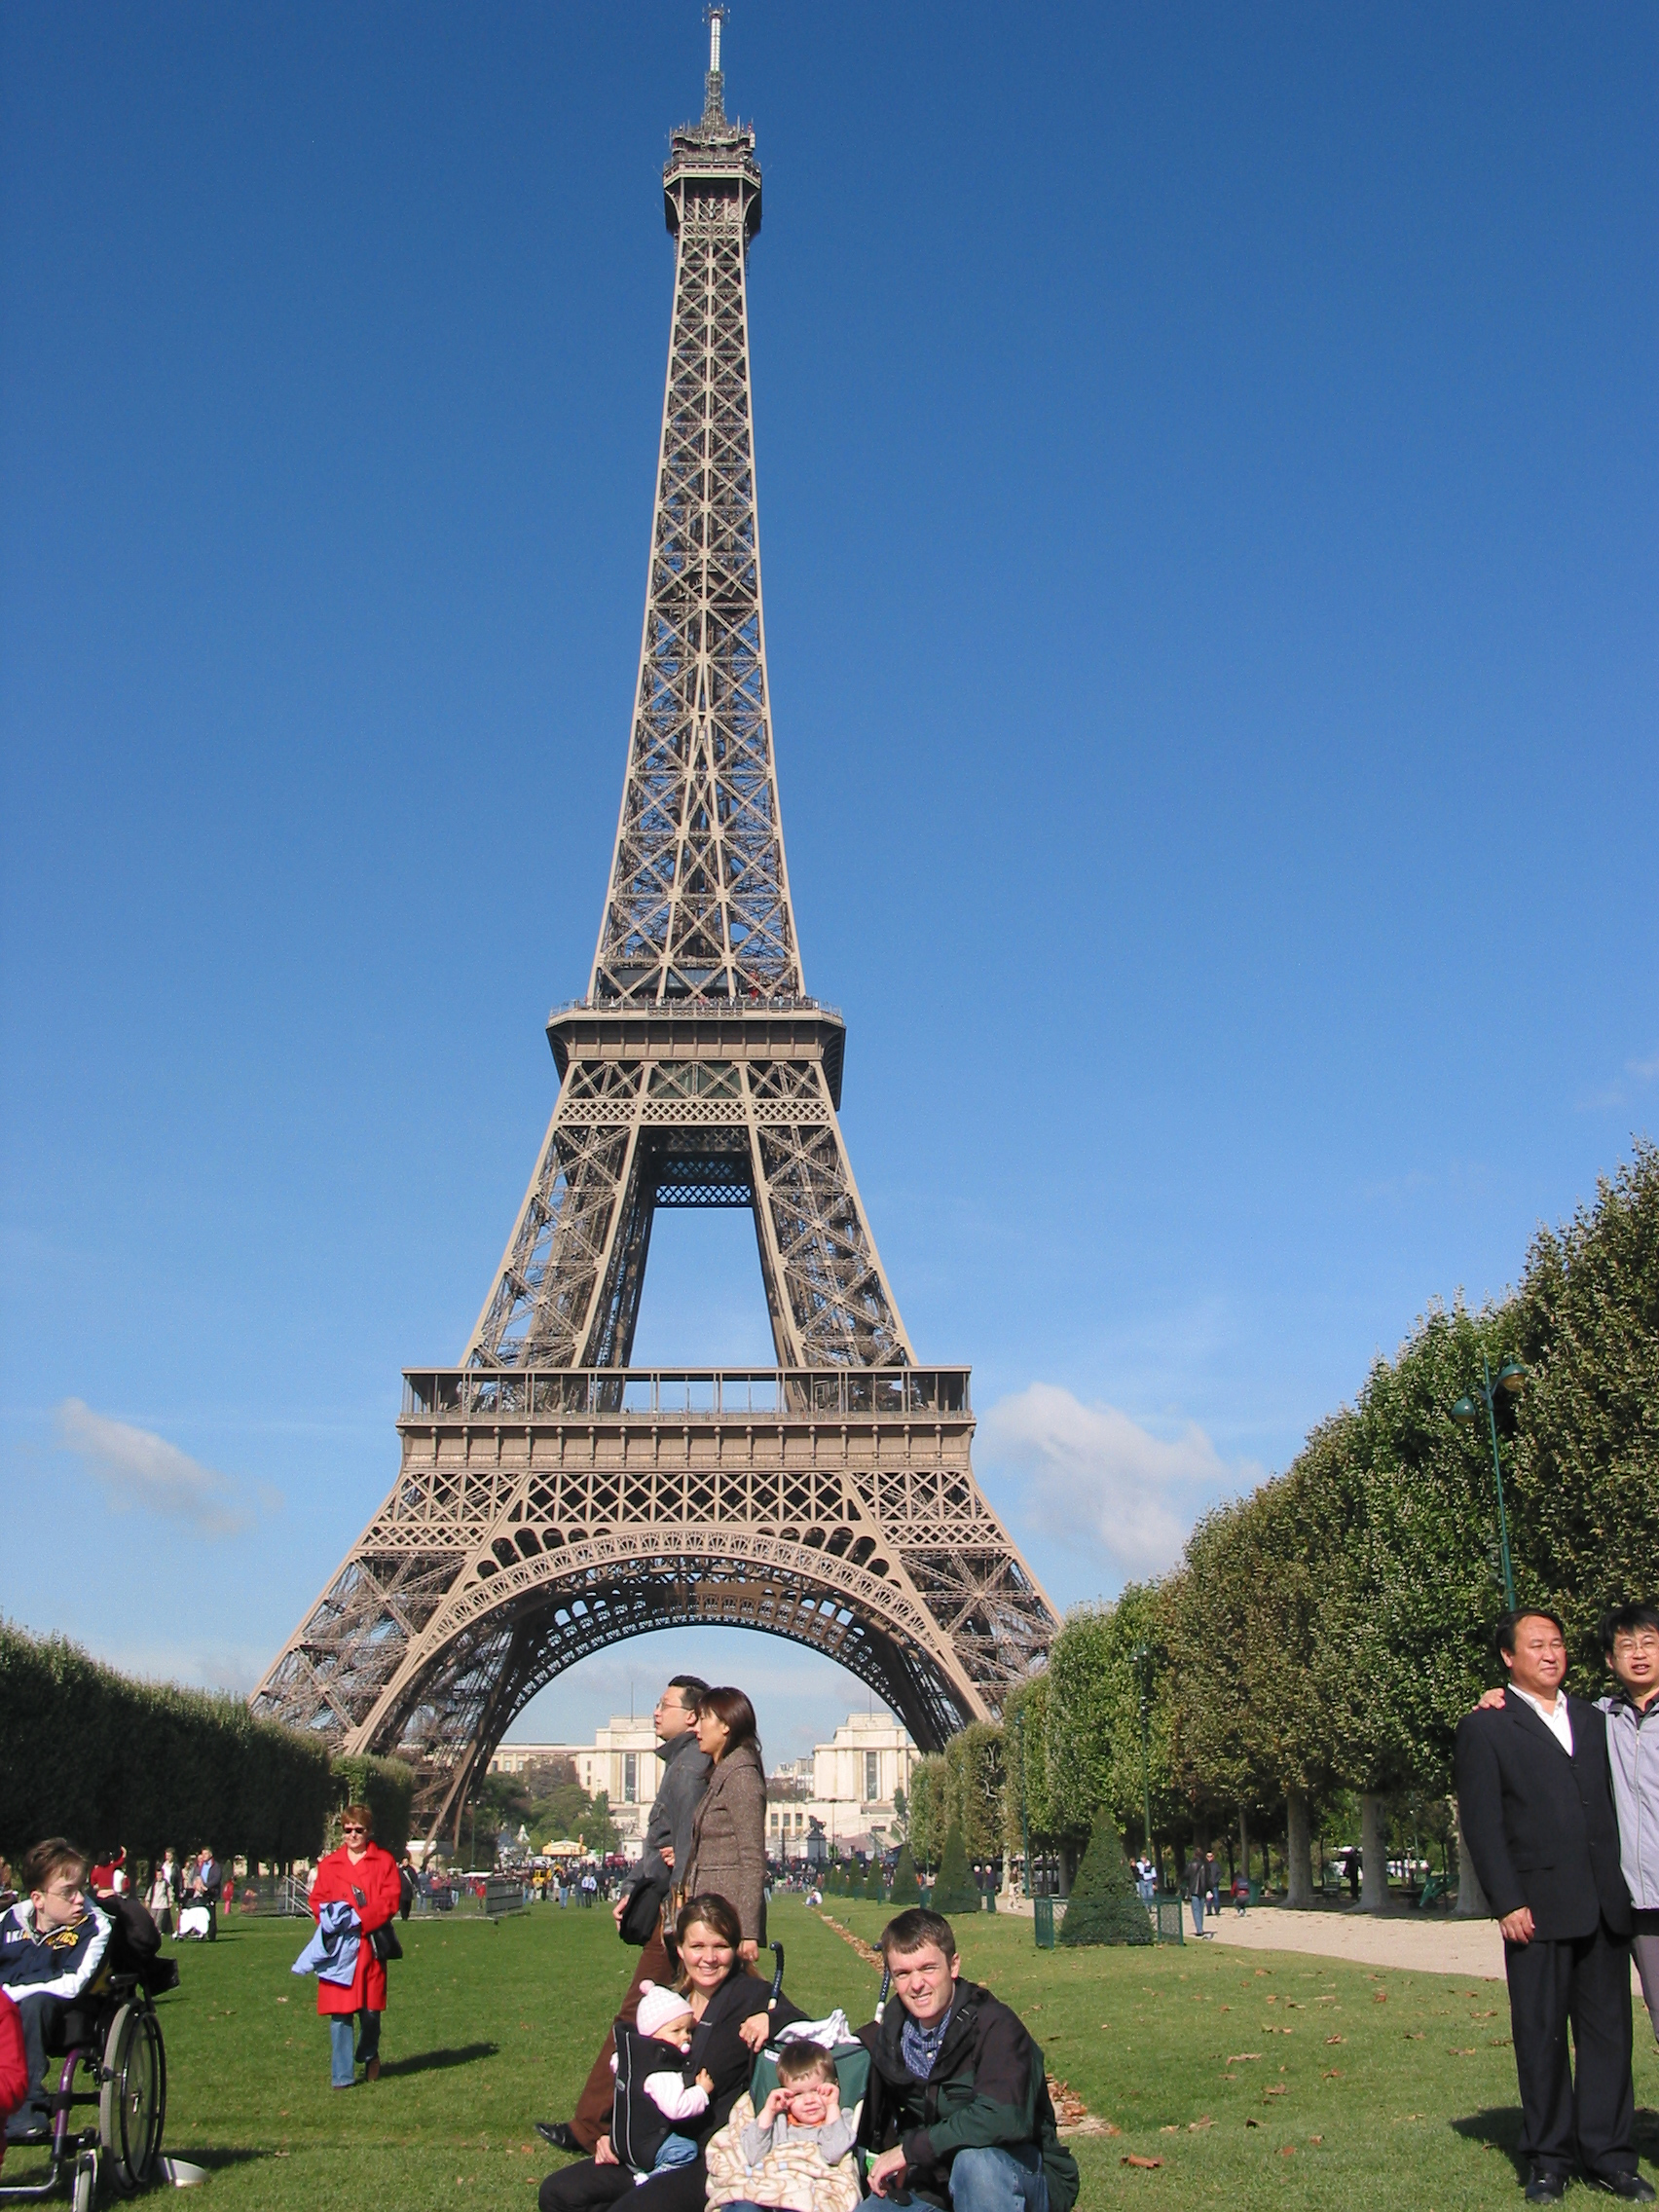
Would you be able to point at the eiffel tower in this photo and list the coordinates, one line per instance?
(551, 1499)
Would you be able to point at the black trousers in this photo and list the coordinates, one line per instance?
(588, 2188)
(1585, 1983)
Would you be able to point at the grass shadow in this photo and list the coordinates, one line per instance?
(202, 2154)
(434, 2061)
(1500, 2127)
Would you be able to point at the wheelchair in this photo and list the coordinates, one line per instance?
(104, 2050)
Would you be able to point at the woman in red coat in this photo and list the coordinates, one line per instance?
(365, 1877)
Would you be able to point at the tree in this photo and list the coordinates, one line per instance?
(976, 1783)
(906, 1888)
(954, 1890)
(901, 1815)
(597, 1830)
(872, 1890)
(929, 1814)
(1103, 1906)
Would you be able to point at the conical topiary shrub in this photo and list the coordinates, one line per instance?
(907, 1890)
(1104, 1906)
(872, 1891)
(954, 1891)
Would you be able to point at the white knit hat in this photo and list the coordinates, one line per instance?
(659, 2005)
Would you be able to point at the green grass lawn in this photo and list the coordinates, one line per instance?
(1257, 2078)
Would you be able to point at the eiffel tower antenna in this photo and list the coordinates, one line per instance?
(551, 1499)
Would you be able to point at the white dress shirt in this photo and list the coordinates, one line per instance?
(1555, 1719)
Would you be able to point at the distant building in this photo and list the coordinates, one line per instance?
(621, 1760)
(847, 1787)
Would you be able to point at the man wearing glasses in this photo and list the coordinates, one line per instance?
(668, 1845)
(51, 1946)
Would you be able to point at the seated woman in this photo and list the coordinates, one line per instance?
(730, 2023)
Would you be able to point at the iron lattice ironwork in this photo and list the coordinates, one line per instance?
(552, 1500)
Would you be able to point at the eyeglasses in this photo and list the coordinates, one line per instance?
(350, 1827)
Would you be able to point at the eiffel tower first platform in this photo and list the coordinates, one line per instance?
(551, 1499)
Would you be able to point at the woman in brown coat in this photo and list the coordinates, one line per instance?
(729, 1836)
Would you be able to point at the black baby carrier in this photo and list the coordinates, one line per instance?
(638, 2129)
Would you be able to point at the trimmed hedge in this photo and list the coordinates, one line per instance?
(107, 1761)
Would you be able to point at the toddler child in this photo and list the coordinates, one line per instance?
(796, 2154)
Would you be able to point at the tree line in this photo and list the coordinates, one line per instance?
(109, 1761)
(1312, 1654)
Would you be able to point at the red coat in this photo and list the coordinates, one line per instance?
(15, 2082)
(375, 1875)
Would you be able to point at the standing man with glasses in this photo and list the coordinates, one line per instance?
(653, 1882)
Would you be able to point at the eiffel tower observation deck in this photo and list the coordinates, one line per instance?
(552, 1500)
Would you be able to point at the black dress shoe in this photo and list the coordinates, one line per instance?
(559, 2133)
(1633, 2186)
(1545, 2188)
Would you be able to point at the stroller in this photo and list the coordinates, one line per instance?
(852, 2059)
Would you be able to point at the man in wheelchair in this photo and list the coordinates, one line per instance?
(53, 1948)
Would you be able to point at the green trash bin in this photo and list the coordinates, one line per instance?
(1042, 1917)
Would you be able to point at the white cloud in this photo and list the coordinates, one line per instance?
(141, 1472)
(1093, 1475)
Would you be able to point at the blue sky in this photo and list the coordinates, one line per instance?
(1209, 494)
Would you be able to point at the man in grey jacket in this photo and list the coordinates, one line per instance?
(668, 1845)
(1629, 1644)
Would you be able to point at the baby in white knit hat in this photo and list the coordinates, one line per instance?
(653, 2093)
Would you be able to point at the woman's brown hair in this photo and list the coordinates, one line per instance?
(711, 1911)
(735, 1709)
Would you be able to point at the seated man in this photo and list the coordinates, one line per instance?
(52, 1950)
(947, 2047)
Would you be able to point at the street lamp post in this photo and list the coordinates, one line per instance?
(1141, 1660)
(1509, 1379)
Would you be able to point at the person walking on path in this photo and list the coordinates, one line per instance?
(957, 2112)
(732, 2013)
(728, 1835)
(667, 1847)
(1536, 1806)
(1197, 1886)
(364, 1878)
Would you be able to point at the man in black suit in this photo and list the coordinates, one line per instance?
(1538, 1813)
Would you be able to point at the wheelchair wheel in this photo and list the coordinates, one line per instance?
(134, 2100)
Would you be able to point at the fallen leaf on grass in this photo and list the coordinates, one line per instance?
(1287, 2150)
(1279, 2089)
(1462, 2051)
(1336, 2038)
(1235, 2057)
(1252, 2123)
(1134, 2158)
(1379, 1997)
(1316, 2139)
(1193, 2125)
(1332, 2074)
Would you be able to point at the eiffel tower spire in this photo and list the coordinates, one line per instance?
(698, 904)
(551, 1499)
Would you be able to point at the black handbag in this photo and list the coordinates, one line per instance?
(642, 1915)
(383, 1943)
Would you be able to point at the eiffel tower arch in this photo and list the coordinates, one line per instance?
(552, 1500)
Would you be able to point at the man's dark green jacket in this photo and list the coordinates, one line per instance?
(987, 2090)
